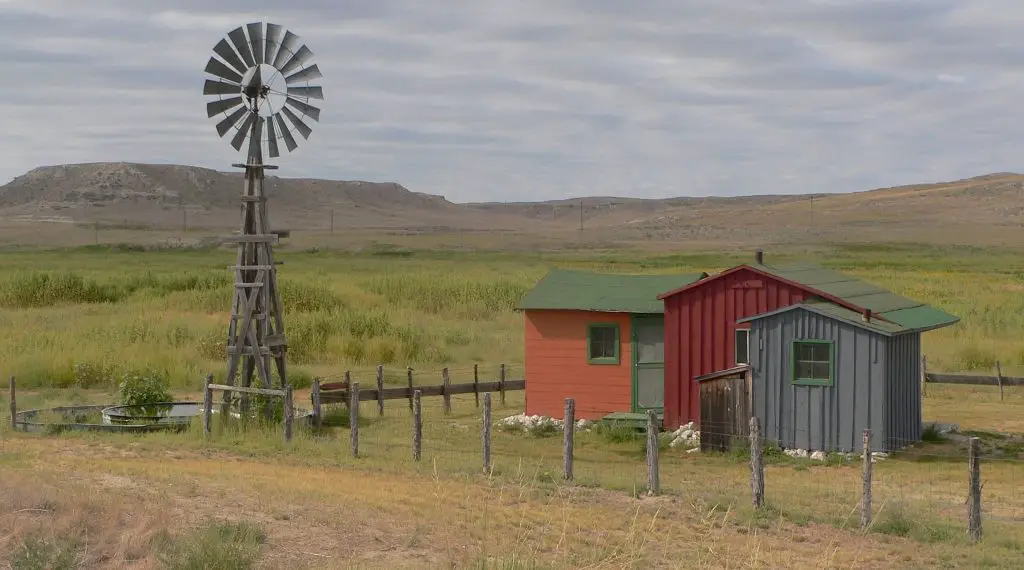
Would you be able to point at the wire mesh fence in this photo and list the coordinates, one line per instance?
(919, 491)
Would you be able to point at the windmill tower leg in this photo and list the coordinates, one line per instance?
(256, 331)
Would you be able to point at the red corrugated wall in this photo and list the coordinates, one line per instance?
(700, 325)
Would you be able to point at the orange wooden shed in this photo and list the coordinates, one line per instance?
(597, 338)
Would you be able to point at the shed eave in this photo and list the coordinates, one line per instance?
(827, 315)
(586, 310)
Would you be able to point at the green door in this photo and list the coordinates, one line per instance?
(648, 363)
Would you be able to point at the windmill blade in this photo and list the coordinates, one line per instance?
(289, 141)
(302, 56)
(243, 130)
(311, 72)
(240, 42)
(272, 139)
(303, 128)
(224, 126)
(222, 105)
(221, 88)
(256, 140)
(273, 41)
(256, 40)
(307, 92)
(306, 109)
(223, 49)
(217, 67)
(286, 49)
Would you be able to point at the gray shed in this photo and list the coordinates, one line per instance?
(821, 373)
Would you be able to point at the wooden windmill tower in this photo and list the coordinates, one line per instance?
(262, 87)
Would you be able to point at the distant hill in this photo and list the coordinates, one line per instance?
(157, 194)
(166, 195)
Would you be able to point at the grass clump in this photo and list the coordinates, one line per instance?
(39, 553)
(221, 545)
(46, 289)
(448, 294)
(930, 434)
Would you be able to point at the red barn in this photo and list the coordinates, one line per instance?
(597, 338)
(701, 332)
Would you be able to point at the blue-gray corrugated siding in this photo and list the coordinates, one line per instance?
(903, 393)
(826, 418)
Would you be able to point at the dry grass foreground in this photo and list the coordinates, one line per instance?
(112, 506)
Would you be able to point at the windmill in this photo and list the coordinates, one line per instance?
(260, 95)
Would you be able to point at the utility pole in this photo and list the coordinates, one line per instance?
(332, 221)
(812, 212)
(581, 215)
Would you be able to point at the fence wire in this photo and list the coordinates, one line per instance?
(916, 492)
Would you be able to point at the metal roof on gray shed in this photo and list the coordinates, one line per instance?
(564, 289)
(907, 314)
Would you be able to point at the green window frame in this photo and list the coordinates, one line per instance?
(813, 362)
(603, 342)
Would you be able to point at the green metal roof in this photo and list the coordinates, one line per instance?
(834, 311)
(908, 314)
(563, 289)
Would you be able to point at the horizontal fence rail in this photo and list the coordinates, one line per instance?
(937, 378)
(338, 392)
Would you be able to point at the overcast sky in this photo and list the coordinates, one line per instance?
(542, 99)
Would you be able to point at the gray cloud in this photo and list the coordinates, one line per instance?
(497, 100)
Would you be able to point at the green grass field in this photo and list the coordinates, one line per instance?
(76, 317)
(73, 321)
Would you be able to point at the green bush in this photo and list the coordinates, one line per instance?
(143, 388)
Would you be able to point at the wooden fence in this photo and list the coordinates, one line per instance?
(968, 379)
(348, 392)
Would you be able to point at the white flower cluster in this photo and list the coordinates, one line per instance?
(530, 423)
(686, 436)
(820, 455)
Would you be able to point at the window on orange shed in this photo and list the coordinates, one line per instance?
(603, 343)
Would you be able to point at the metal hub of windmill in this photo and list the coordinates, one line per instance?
(262, 84)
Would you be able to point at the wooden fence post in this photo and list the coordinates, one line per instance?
(380, 389)
(756, 463)
(207, 406)
(486, 431)
(353, 416)
(924, 375)
(865, 494)
(653, 475)
(974, 496)
(999, 379)
(318, 415)
(408, 377)
(569, 433)
(476, 385)
(501, 383)
(14, 406)
(446, 380)
(348, 388)
(289, 412)
(417, 425)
